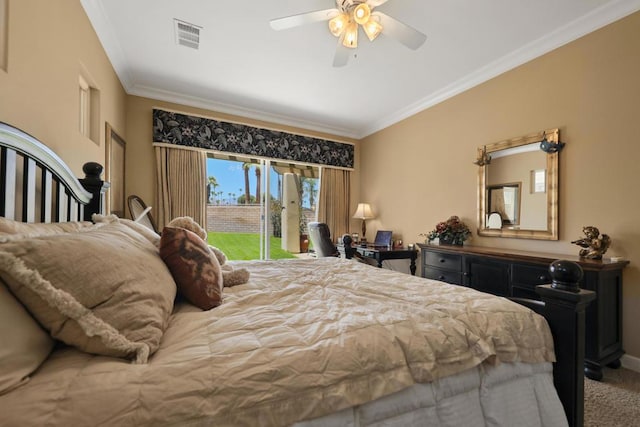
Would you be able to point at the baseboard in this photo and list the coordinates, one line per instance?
(630, 362)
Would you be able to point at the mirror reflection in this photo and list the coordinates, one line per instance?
(518, 188)
(504, 201)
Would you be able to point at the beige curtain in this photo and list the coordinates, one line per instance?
(181, 185)
(334, 200)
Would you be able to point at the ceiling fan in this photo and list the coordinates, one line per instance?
(345, 21)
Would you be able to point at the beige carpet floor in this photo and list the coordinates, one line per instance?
(614, 401)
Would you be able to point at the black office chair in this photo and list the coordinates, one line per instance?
(140, 212)
(321, 239)
(350, 251)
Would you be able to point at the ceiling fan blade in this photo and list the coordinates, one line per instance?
(341, 56)
(303, 18)
(375, 3)
(408, 36)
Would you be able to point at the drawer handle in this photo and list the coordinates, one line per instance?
(443, 260)
(543, 278)
(441, 278)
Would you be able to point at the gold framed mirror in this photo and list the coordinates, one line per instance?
(518, 188)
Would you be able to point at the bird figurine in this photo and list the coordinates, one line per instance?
(550, 146)
(483, 158)
(594, 244)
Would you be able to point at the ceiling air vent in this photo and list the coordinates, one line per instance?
(187, 34)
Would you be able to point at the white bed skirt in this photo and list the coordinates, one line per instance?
(483, 396)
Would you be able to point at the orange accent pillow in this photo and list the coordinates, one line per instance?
(193, 266)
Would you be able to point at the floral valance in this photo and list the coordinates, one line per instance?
(192, 131)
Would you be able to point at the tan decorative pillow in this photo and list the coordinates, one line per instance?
(9, 226)
(194, 267)
(25, 345)
(105, 290)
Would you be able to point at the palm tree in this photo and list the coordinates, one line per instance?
(311, 190)
(245, 167)
(258, 174)
(211, 189)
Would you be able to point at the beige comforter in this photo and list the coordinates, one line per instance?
(304, 338)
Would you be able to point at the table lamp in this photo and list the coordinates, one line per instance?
(363, 212)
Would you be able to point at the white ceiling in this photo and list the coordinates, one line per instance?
(244, 67)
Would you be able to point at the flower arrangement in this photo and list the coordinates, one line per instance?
(452, 231)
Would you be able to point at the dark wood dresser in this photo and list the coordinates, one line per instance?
(512, 273)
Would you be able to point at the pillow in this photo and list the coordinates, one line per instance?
(105, 290)
(148, 234)
(24, 345)
(9, 226)
(194, 267)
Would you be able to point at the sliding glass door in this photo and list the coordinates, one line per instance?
(256, 215)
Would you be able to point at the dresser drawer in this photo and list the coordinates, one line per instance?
(524, 292)
(529, 276)
(443, 261)
(453, 277)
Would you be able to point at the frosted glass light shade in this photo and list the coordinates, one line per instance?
(338, 24)
(362, 13)
(351, 36)
(372, 29)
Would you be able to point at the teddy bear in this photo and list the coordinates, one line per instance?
(230, 276)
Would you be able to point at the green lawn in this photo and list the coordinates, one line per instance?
(239, 246)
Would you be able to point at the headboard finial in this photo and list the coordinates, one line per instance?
(92, 170)
(96, 186)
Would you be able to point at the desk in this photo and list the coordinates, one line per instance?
(381, 254)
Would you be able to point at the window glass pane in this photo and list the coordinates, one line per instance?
(538, 180)
(236, 193)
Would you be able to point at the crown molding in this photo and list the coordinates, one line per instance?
(219, 107)
(102, 26)
(571, 31)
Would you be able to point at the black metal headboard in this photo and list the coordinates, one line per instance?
(37, 186)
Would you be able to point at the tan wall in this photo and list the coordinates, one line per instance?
(140, 162)
(589, 89)
(48, 43)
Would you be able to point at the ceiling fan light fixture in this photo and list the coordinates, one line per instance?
(350, 39)
(372, 29)
(362, 13)
(344, 20)
(338, 24)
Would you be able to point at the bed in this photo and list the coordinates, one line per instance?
(106, 338)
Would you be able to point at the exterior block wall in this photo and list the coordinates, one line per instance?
(239, 218)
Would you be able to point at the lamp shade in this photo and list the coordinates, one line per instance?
(363, 211)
